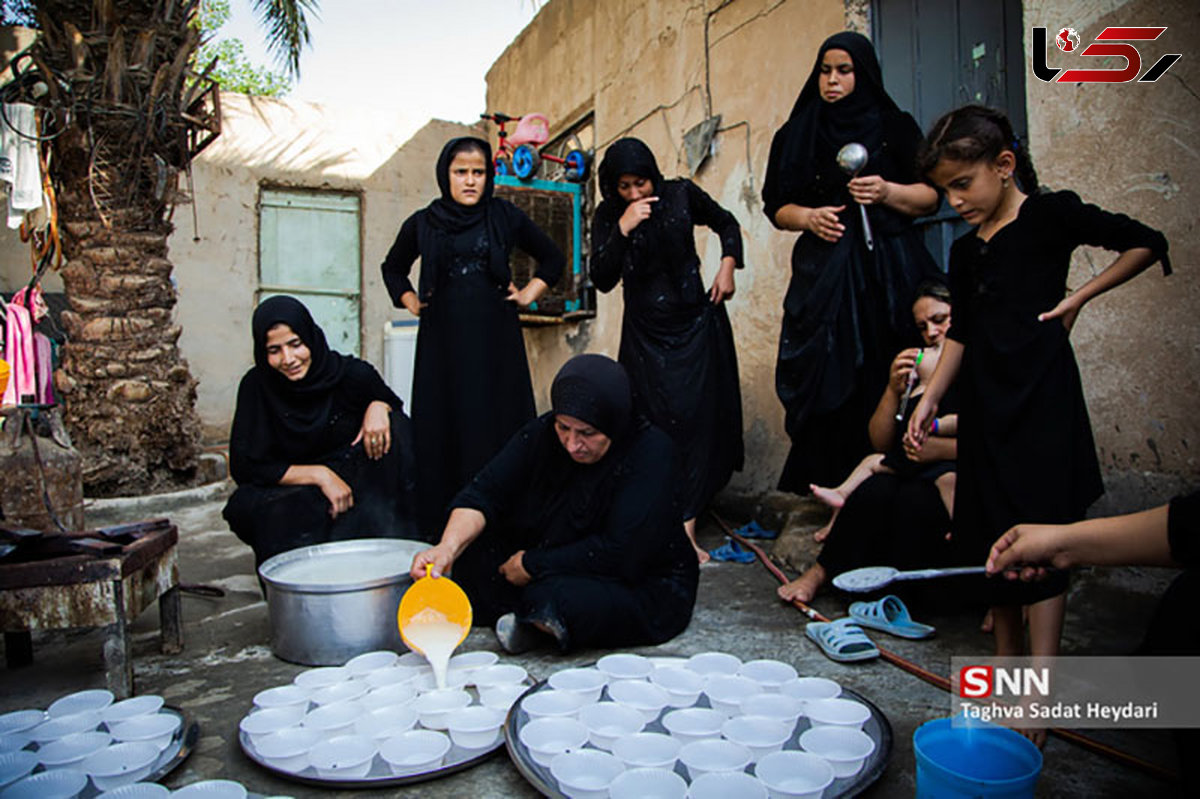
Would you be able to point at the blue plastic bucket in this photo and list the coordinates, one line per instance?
(980, 760)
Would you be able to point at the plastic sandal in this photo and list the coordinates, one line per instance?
(842, 640)
(755, 530)
(732, 552)
(889, 615)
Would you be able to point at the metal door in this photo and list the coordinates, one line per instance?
(309, 247)
(937, 55)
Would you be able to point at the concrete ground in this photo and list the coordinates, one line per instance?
(227, 657)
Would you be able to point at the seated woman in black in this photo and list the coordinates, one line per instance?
(320, 447)
(573, 532)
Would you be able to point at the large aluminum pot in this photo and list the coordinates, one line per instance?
(330, 602)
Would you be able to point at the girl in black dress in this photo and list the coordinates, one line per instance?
(676, 342)
(471, 386)
(846, 309)
(1025, 449)
(320, 447)
(572, 534)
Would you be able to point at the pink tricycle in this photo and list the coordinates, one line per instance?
(518, 153)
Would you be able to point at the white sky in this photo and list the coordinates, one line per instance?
(418, 58)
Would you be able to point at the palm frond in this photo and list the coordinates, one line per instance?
(286, 26)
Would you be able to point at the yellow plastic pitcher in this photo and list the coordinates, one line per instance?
(437, 600)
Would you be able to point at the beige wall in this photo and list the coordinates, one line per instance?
(644, 70)
(294, 145)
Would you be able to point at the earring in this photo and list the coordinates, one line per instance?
(1004, 181)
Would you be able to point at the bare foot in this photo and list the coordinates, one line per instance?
(805, 586)
(702, 555)
(823, 533)
(988, 622)
(829, 496)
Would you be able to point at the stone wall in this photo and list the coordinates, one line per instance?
(654, 70)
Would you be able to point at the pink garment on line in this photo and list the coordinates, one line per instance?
(18, 351)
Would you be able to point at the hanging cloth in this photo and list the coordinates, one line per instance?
(18, 349)
(19, 164)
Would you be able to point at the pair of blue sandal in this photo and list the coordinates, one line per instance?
(843, 640)
(733, 552)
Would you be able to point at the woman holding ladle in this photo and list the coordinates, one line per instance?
(847, 305)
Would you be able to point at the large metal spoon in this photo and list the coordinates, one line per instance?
(851, 159)
(870, 578)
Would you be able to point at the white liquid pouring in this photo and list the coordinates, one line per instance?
(436, 638)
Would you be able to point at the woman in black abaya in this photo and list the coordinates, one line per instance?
(846, 308)
(471, 386)
(572, 534)
(320, 447)
(676, 342)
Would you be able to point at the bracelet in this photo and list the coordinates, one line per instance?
(934, 428)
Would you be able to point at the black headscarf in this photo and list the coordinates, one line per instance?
(808, 142)
(626, 157)
(300, 407)
(594, 389)
(656, 243)
(445, 217)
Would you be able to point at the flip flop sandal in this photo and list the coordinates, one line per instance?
(842, 640)
(755, 530)
(733, 552)
(889, 615)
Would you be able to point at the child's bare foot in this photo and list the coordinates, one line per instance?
(829, 496)
(823, 533)
(805, 586)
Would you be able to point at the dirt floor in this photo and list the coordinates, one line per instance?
(227, 656)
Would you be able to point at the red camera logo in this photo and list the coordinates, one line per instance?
(1067, 41)
(980, 682)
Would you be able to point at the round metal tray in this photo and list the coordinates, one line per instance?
(877, 727)
(380, 775)
(177, 751)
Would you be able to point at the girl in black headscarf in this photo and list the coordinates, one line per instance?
(584, 540)
(676, 342)
(320, 447)
(846, 308)
(471, 386)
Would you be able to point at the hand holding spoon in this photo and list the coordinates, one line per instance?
(851, 159)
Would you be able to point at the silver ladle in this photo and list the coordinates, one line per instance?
(851, 159)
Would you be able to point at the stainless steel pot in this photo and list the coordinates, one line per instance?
(330, 602)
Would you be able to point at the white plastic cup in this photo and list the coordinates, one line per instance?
(690, 724)
(683, 686)
(367, 662)
(282, 696)
(846, 748)
(339, 692)
(546, 738)
(712, 663)
(130, 709)
(287, 750)
(415, 752)
(16, 765)
(476, 727)
(392, 675)
(21, 720)
(549, 704)
(471, 662)
(727, 784)
(386, 722)
(810, 688)
(762, 735)
(120, 764)
(585, 774)
(80, 702)
(335, 719)
(58, 784)
(70, 750)
(343, 756)
(261, 723)
(837, 712)
(588, 683)
(705, 757)
(648, 783)
(647, 750)
(390, 695)
(56, 727)
(139, 790)
(770, 674)
(794, 775)
(787, 709)
(212, 789)
(435, 707)
(501, 697)
(323, 677)
(499, 674)
(725, 692)
(647, 699)
(625, 666)
(608, 721)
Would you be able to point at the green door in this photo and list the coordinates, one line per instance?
(309, 247)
